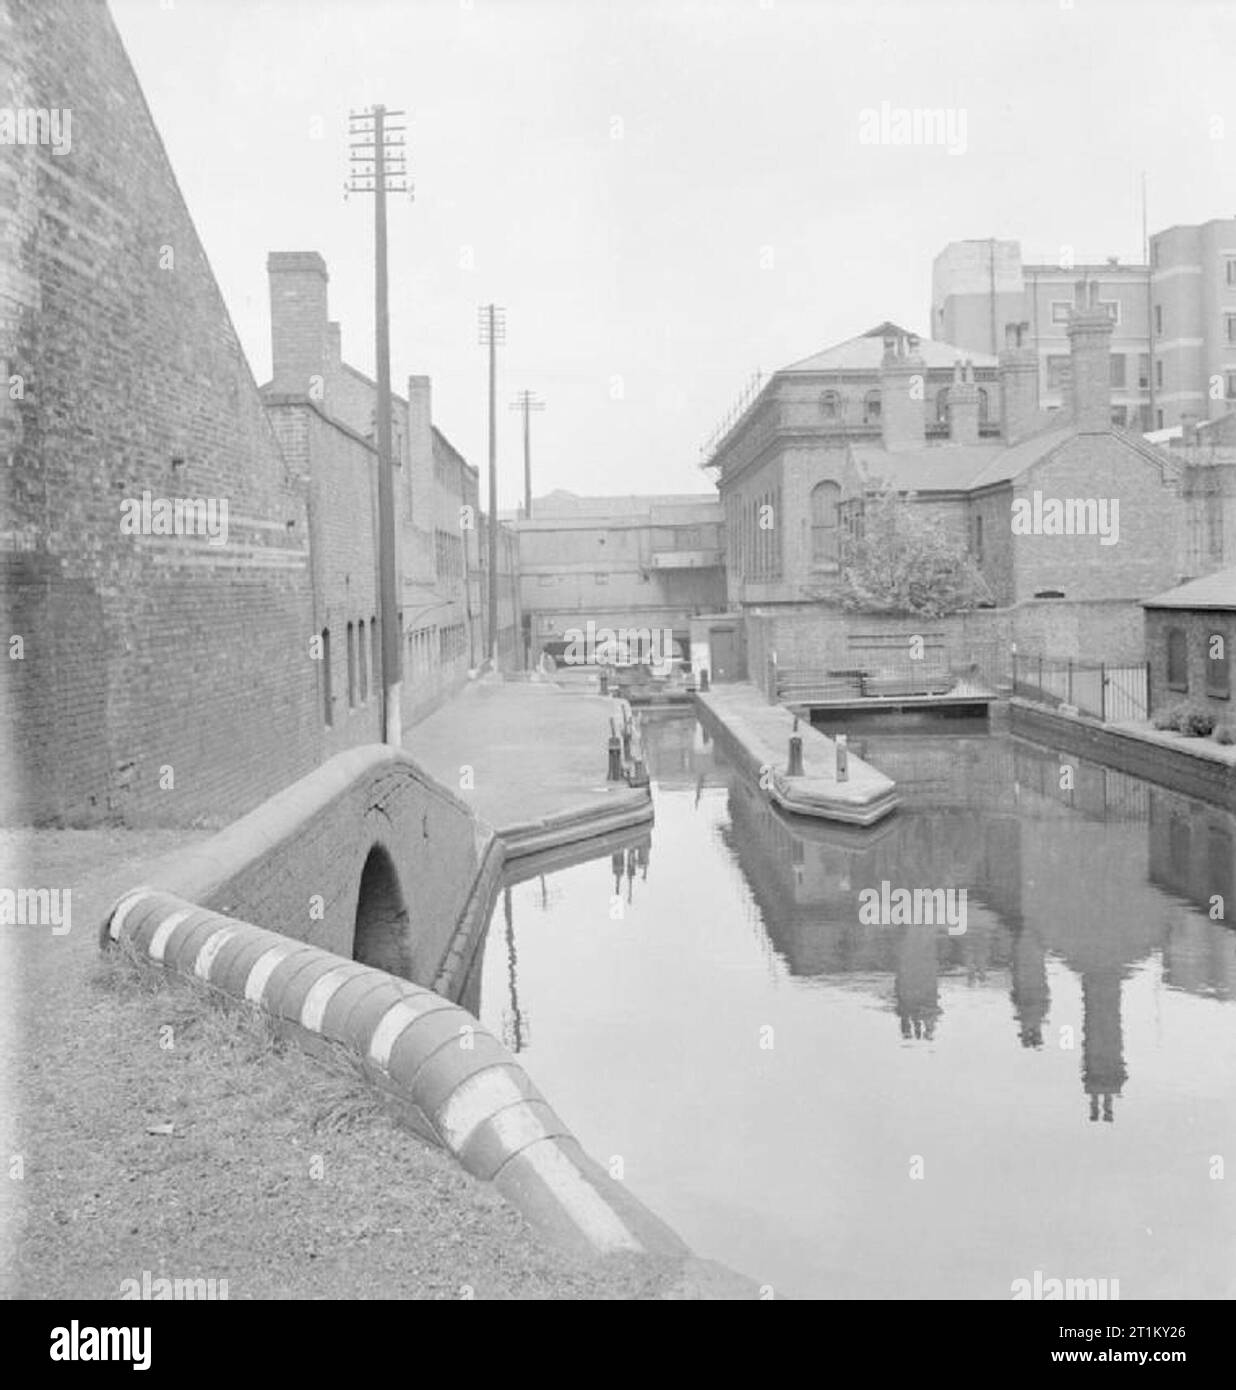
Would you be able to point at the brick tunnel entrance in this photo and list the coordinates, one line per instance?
(382, 937)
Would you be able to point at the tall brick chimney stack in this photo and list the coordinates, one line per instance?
(903, 385)
(963, 404)
(1018, 366)
(1090, 350)
(298, 331)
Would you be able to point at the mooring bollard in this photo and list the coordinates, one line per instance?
(795, 765)
(843, 759)
(704, 682)
(615, 758)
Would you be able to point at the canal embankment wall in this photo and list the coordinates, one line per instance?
(1194, 766)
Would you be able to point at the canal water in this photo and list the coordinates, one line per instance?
(850, 1110)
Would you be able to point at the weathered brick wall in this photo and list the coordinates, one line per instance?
(1199, 629)
(1146, 559)
(149, 658)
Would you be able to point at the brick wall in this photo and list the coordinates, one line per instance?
(149, 659)
(1199, 629)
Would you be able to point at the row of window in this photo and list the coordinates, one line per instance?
(754, 534)
(427, 648)
(832, 406)
(1218, 672)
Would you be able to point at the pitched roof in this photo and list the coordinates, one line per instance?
(865, 353)
(1214, 591)
(933, 468)
(1012, 462)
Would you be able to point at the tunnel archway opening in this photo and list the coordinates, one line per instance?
(382, 936)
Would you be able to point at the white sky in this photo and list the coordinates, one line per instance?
(647, 258)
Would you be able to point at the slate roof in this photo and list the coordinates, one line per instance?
(1214, 591)
(864, 353)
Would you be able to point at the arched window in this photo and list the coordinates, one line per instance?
(824, 500)
(830, 405)
(326, 690)
(362, 662)
(942, 406)
(984, 406)
(1177, 659)
(871, 408)
(376, 649)
(351, 666)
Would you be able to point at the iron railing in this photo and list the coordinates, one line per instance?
(1111, 693)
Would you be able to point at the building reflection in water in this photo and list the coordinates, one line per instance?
(1101, 877)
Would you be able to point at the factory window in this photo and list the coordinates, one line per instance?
(1158, 320)
(942, 406)
(978, 539)
(1061, 309)
(830, 405)
(824, 500)
(351, 666)
(1231, 270)
(1177, 660)
(376, 652)
(984, 406)
(1113, 309)
(1229, 385)
(1158, 372)
(1230, 321)
(1143, 370)
(1057, 372)
(871, 408)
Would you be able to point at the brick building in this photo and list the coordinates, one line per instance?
(622, 562)
(1191, 645)
(162, 677)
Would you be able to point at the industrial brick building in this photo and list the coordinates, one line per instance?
(1191, 645)
(180, 676)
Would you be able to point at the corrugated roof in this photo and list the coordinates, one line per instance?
(866, 352)
(1214, 591)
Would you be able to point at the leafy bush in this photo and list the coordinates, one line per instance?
(1192, 720)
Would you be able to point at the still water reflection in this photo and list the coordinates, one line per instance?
(849, 1110)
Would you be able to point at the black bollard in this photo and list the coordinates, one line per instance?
(795, 767)
(615, 758)
(843, 759)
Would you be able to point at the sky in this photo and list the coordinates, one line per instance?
(667, 197)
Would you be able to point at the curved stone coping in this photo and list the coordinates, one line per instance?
(461, 1087)
(200, 872)
(626, 808)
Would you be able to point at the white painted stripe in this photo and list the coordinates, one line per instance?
(473, 1102)
(210, 949)
(124, 907)
(262, 969)
(163, 932)
(591, 1213)
(518, 1126)
(323, 991)
(392, 1025)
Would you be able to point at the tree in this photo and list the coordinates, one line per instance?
(906, 563)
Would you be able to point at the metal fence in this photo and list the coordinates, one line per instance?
(1110, 693)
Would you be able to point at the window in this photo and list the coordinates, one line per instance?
(376, 652)
(1230, 323)
(1057, 372)
(1061, 310)
(363, 663)
(600, 578)
(830, 405)
(942, 406)
(1143, 370)
(1120, 416)
(1159, 424)
(1158, 320)
(1177, 660)
(1218, 665)
(1230, 271)
(1113, 309)
(871, 408)
(824, 500)
(1158, 372)
(978, 538)
(351, 666)
(984, 406)
(1118, 361)
(327, 714)
(1229, 385)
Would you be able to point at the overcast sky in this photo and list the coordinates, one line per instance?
(667, 196)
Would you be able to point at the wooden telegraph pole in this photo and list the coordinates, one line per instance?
(527, 401)
(493, 332)
(378, 167)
